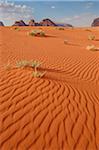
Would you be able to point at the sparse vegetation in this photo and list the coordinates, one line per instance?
(38, 74)
(16, 28)
(61, 28)
(23, 63)
(91, 37)
(33, 64)
(38, 33)
(92, 48)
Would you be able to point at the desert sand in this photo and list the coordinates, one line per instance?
(59, 111)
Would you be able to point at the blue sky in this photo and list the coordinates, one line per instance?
(77, 13)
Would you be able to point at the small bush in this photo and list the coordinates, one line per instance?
(61, 28)
(37, 74)
(23, 63)
(16, 28)
(91, 37)
(38, 33)
(35, 63)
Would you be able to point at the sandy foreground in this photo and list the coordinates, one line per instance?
(59, 111)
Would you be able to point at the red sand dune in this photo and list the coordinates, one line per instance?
(59, 111)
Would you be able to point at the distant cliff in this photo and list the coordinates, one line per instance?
(44, 22)
(19, 23)
(95, 22)
(1, 23)
(64, 25)
(47, 22)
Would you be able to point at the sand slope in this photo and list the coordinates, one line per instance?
(59, 111)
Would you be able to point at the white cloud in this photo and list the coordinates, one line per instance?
(53, 7)
(76, 17)
(11, 12)
(84, 19)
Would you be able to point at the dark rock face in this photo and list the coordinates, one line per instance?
(44, 22)
(37, 24)
(19, 23)
(95, 22)
(1, 23)
(64, 25)
(68, 25)
(47, 22)
(32, 22)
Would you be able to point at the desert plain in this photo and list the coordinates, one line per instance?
(59, 111)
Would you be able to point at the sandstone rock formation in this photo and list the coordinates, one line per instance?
(95, 22)
(64, 25)
(44, 22)
(1, 23)
(19, 23)
(32, 23)
(47, 22)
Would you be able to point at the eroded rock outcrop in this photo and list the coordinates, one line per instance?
(47, 22)
(95, 22)
(19, 23)
(1, 23)
(32, 23)
(64, 25)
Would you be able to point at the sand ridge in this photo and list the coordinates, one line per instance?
(59, 111)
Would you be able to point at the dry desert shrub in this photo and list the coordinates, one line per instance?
(91, 37)
(38, 33)
(22, 63)
(34, 64)
(17, 29)
(61, 28)
(37, 74)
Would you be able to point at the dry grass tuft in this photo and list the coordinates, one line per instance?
(22, 63)
(37, 74)
(38, 33)
(16, 28)
(91, 37)
(61, 28)
(34, 64)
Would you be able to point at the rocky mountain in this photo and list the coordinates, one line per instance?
(47, 22)
(1, 23)
(32, 23)
(19, 23)
(44, 22)
(95, 22)
(64, 25)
